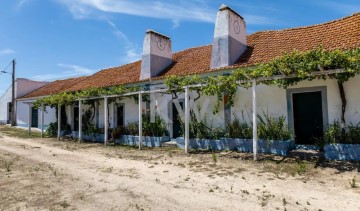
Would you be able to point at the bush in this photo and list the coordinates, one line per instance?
(199, 129)
(334, 134)
(156, 128)
(272, 128)
(51, 131)
(236, 129)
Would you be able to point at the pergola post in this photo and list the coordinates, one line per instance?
(80, 120)
(187, 119)
(106, 126)
(29, 120)
(42, 120)
(140, 120)
(59, 121)
(255, 136)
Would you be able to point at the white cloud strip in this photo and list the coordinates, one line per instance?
(72, 71)
(173, 10)
(7, 51)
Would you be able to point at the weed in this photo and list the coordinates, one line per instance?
(214, 157)
(65, 204)
(7, 164)
(284, 201)
(211, 190)
(245, 191)
(308, 203)
(353, 183)
(301, 168)
(170, 153)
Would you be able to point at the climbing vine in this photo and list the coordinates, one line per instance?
(299, 66)
(70, 98)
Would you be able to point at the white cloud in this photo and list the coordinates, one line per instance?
(7, 51)
(22, 3)
(133, 52)
(72, 71)
(172, 10)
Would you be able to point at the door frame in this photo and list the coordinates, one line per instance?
(170, 115)
(290, 107)
(115, 113)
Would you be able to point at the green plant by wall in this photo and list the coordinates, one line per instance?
(237, 129)
(273, 128)
(334, 134)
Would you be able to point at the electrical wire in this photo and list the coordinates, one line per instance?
(6, 67)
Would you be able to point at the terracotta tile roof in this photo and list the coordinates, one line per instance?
(262, 47)
(55, 87)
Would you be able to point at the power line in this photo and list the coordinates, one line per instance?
(6, 67)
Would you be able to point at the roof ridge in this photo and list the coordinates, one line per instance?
(310, 26)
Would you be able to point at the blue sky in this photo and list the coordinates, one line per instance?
(56, 39)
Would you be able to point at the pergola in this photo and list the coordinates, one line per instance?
(187, 107)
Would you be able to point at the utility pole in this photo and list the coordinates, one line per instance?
(13, 95)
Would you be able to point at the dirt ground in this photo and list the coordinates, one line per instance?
(46, 174)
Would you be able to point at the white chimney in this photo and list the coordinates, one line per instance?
(157, 54)
(229, 38)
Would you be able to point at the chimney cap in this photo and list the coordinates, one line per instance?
(225, 7)
(150, 31)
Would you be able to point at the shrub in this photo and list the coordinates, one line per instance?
(334, 134)
(273, 128)
(156, 128)
(200, 130)
(236, 129)
(51, 131)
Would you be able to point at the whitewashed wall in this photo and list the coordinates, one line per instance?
(22, 87)
(22, 117)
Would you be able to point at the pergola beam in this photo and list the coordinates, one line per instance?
(29, 120)
(254, 116)
(187, 120)
(106, 124)
(59, 122)
(80, 120)
(42, 120)
(140, 120)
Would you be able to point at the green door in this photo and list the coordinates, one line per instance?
(34, 117)
(176, 120)
(308, 117)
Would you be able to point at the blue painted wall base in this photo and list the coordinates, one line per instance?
(241, 145)
(147, 140)
(342, 152)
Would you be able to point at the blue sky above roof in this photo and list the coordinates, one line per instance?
(57, 39)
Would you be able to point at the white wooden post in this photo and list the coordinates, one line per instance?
(59, 121)
(29, 121)
(255, 137)
(42, 120)
(140, 120)
(187, 119)
(106, 125)
(80, 120)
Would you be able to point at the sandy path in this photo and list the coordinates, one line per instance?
(109, 183)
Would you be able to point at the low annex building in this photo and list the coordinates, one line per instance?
(308, 106)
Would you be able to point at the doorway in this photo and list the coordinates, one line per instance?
(76, 118)
(34, 117)
(176, 120)
(308, 115)
(120, 115)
